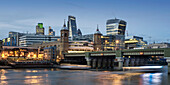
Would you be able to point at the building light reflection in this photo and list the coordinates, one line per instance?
(152, 78)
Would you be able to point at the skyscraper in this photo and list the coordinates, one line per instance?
(51, 31)
(115, 27)
(79, 32)
(40, 29)
(72, 27)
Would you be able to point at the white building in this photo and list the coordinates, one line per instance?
(30, 39)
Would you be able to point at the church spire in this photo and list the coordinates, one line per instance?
(64, 23)
(64, 26)
(97, 30)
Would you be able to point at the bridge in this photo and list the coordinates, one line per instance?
(115, 60)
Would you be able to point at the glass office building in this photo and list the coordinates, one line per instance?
(40, 29)
(72, 26)
(115, 27)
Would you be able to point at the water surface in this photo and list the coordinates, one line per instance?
(52, 76)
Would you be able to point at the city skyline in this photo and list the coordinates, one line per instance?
(144, 17)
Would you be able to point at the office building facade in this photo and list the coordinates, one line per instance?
(72, 27)
(135, 42)
(112, 42)
(115, 27)
(30, 39)
(51, 31)
(12, 39)
(40, 29)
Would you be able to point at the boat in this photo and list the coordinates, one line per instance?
(21, 62)
(146, 69)
(31, 64)
(151, 66)
(74, 67)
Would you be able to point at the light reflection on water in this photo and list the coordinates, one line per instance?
(77, 77)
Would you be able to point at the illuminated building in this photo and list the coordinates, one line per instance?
(12, 39)
(113, 42)
(135, 42)
(97, 40)
(80, 46)
(40, 29)
(19, 52)
(64, 40)
(72, 27)
(51, 31)
(30, 39)
(115, 27)
(158, 45)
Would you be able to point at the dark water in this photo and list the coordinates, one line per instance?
(79, 77)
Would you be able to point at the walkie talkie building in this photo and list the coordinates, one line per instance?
(115, 27)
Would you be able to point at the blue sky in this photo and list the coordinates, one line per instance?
(147, 18)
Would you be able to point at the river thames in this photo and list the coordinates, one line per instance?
(42, 76)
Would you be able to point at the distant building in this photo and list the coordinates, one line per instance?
(72, 27)
(79, 32)
(40, 29)
(135, 42)
(158, 45)
(115, 27)
(12, 39)
(88, 37)
(1, 44)
(51, 31)
(29, 39)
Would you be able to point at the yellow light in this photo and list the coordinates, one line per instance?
(129, 56)
(3, 55)
(141, 53)
(117, 41)
(34, 56)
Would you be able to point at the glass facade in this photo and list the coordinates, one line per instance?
(40, 29)
(51, 32)
(72, 26)
(113, 42)
(115, 27)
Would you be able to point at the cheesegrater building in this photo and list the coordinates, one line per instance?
(72, 27)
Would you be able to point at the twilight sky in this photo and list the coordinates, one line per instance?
(146, 18)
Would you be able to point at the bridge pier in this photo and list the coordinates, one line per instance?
(109, 63)
(94, 63)
(132, 62)
(120, 63)
(112, 63)
(168, 61)
(126, 62)
(99, 63)
(137, 61)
